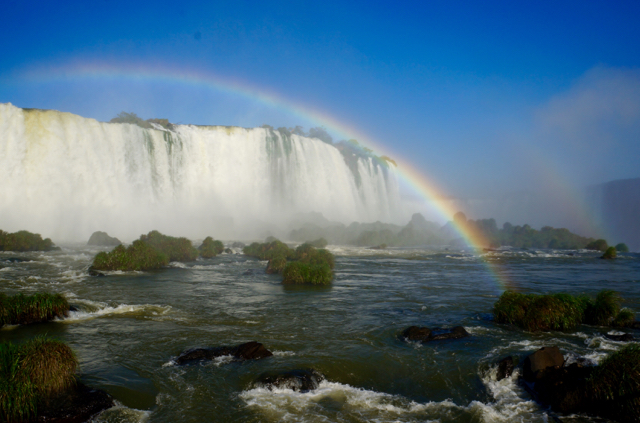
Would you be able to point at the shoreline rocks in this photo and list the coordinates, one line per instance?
(75, 405)
(424, 334)
(247, 351)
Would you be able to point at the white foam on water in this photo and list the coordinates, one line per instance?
(283, 353)
(96, 310)
(178, 265)
(121, 414)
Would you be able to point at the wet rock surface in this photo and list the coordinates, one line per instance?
(247, 351)
(74, 406)
(627, 337)
(505, 368)
(424, 334)
(537, 363)
(299, 380)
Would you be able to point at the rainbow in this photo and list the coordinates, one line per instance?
(415, 178)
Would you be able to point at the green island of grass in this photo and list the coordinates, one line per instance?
(304, 265)
(536, 313)
(24, 241)
(23, 309)
(32, 372)
(138, 256)
(177, 249)
(210, 248)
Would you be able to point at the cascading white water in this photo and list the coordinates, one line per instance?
(66, 176)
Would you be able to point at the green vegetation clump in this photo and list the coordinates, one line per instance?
(297, 272)
(177, 249)
(306, 253)
(598, 245)
(318, 243)
(138, 256)
(611, 253)
(24, 241)
(615, 384)
(622, 248)
(31, 372)
(210, 248)
(23, 309)
(277, 252)
(535, 313)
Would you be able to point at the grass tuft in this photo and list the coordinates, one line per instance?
(138, 256)
(24, 241)
(177, 249)
(604, 309)
(23, 309)
(297, 272)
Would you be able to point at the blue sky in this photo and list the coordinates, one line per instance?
(487, 97)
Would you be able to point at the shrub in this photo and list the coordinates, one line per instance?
(622, 248)
(297, 272)
(138, 256)
(599, 245)
(24, 241)
(277, 264)
(31, 372)
(540, 312)
(177, 249)
(308, 254)
(24, 309)
(318, 243)
(610, 253)
(268, 250)
(616, 384)
(210, 248)
(560, 311)
(604, 309)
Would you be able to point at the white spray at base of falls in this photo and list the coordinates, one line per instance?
(66, 176)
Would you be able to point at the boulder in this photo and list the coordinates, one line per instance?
(247, 351)
(564, 388)
(74, 406)
(627, 337)
(424, 334)
(101, 239)
(299, 380)
(536, 364)
(95, 273)
(505, 368)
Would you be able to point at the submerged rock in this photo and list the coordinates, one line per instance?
(76, 405)
(16, 259)
(95, 273)
(102, 239)
(247, 351)
(299, 380)
(424, 334)
(505, 368)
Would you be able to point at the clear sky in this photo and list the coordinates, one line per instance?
(487, 97)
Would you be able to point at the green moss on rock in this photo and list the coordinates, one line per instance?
(24, 241)
(138, 256)
(210, 248)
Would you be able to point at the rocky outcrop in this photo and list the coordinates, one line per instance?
(424, 334)
(536, 364)
(627, 337)
(74, 406)
(299, 380)
(102, 239)
(505, 368)
(248, 351)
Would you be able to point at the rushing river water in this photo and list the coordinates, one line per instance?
(130, 325)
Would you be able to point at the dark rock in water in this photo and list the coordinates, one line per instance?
(101, 239)
(379, 247)
(564, 388)
(536, 363)
(73, 308)
(627, 337)
(95, 273)
(74, 406)
(505, 368)
(16, 259)
(424, 334)
(248, 351)
(416, 333)
(299, 380)
(228, 250)
(248, 272)
(238, 245)
(635, 325)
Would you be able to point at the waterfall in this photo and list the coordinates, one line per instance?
(66, 176)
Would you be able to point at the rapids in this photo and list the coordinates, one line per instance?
(130, 326)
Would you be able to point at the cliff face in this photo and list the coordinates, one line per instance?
(617, 207)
